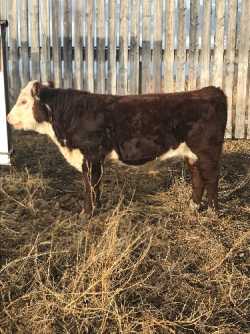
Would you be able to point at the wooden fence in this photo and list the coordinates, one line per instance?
(134, 46)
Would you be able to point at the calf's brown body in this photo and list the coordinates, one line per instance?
(138, 129)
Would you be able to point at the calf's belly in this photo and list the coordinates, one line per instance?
(182, 151)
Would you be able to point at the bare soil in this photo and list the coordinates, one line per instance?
(143, 264)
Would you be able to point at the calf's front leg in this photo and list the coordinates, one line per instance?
(92, 174)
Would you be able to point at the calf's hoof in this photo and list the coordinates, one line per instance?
(194, 207)
(87, 213)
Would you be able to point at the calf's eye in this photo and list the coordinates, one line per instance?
(23, 101)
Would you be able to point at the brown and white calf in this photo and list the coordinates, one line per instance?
(91, 128)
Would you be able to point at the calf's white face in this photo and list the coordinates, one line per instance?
(21, 115)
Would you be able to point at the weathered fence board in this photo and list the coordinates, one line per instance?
(181, 48)
(35, 41)
(45, 41)
(3, 10)
(56, 41)
(112, 48)
(100, 23)
(146, 50)
(123, 47)
(24, 71)
(90, 45)
(157, 46)
(193, 44)
(219, 44)
(169, 47)
(205, 45)
(229, 63)
(13, 52)
(134, 46)
(78, 19)
(67, 44)
(241, 98)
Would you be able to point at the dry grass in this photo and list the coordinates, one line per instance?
(143, 264)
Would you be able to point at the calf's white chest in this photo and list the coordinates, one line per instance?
(73, 157)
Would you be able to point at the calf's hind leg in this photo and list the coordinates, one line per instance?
(209, 169)
(197, 184)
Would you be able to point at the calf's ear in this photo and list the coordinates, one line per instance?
(35, 90)
(49, 84)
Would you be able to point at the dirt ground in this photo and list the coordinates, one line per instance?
(143, 264)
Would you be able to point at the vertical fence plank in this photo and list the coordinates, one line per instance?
(13, 52)
(112, 48)
(45, 42)
(219, 44)
(3, 13)
(100, 29)
(205, 44)
(134, 48)
(242, 70)
(123, 61)
(24, 42)
(56, 43)
(146, 48)
(157, 50)
(35, 48)
(90, 45)
(229, 62)
(3, 16)
(67, 44)
(193, 44)
(78, 31)
(181, 49)
(169, 47)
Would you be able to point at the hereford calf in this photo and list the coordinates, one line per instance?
(91, 128)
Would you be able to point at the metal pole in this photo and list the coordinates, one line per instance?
(3, 68)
